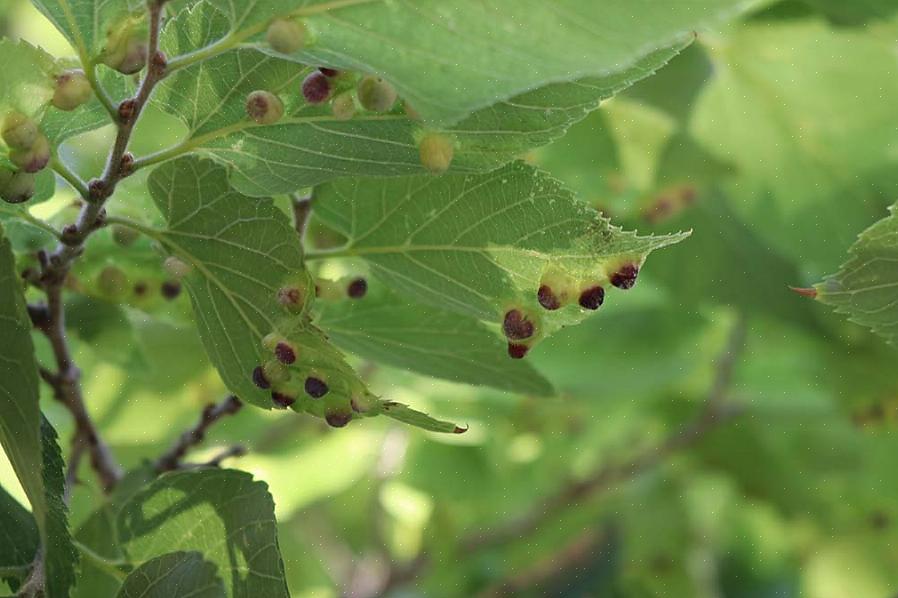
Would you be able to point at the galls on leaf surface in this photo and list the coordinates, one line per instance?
(126, 47)
(357, 288)
(316, 88)
(176, 267)
(72, 90)
(316, 387)
(436, 152)
(282, 400)
(293, 295)
(285, 352)
(343, 106)
(518, 350)
(556, 289)
(286, 35)
(592, 297)
(16, 187)
(338, 418)
(171, 289)
(264, 107)
(112, 282)
(375, 94)
(34, 158)
(625, 277)
(517, 326)
(19, 131)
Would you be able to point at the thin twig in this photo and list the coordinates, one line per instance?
(213, 412)
(55, 268)
(237, 450)
(713, 413)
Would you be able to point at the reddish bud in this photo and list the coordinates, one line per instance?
(357, 288)
(171, 289)
(259, 378)
(315, 387)
(625, 278)
(517, 351)
(337, 419)
(126, 111)
(316, 88)
(126, 166)
(281, 400)
(592, 298)
(547, 298)
(516, 326)
(285, 353)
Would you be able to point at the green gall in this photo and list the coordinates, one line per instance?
(19, 131)
(112, 282)
(436, 152)
(124, 236)
(264, 107)
(275, 372)
(343, 106)
(33, 159)
(286, 35)
(72, 90)
(556, 289)
(176, 267)
(16, 187)
(126, 47)
(375, 94)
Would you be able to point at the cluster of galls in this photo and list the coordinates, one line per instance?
(114, 284)
(558, 289)
(373, 93)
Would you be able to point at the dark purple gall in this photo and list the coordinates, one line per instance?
(547, 298)
(291, 298)
(516, 326)
(337, 419)
(517, 351)
(357, 288)
(592, 298)
(281, 400)
(285, 353)
(259, 378)
(316, 88)
(315, 387)
(171, 289)
(625, 278)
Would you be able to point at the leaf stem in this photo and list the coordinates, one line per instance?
(90, 71)
(172, 458)
(62, 169)
(113, 568)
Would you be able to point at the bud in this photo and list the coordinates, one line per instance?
(285, 352)
(16, 187)
(338, 418)
(436, 152)
(33, 159)
(281, 400)
(315, 387)
(376, 94)
(517, 326)
(625, 278)
(124, 236)
(343, 106)
(286, 35)
(171, 289)
(176, 267)
(19, 131)
(316, 88)
(264, 107)
(357, 288)
(592, 298)
(72, 90)
(112, 282)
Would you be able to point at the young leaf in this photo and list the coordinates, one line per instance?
(409, 43)
(174, 574)
(866, 288)
(421, 338)
(85, 23)
(27, 439)
(310, 145)
(478, 244)
(223, 514)
(19, 540)
(25, 81)
(407, 415)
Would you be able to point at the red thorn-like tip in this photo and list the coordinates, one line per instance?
(460, 430)
(810, 293)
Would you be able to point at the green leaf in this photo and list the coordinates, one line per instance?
(85, 23)
(223, 514)
(19, 539)
(309, 146)
(25, 81)
(384, 328)
(477, 245)
(407, 415)
(856, 12)
(26, 438)
(174, 574)
(866, 288)
(450, 58)
(59, 125)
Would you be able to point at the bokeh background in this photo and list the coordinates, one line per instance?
(775, 140)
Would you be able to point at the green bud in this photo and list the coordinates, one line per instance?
(264, 107)
(19, 131)
(16, 187)
(124, 236)
(436, 152)
(112, 282)
(33, 159)
(344, 106)
(376, 94)
(72, 90)
(286, 35)
(176, 267)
